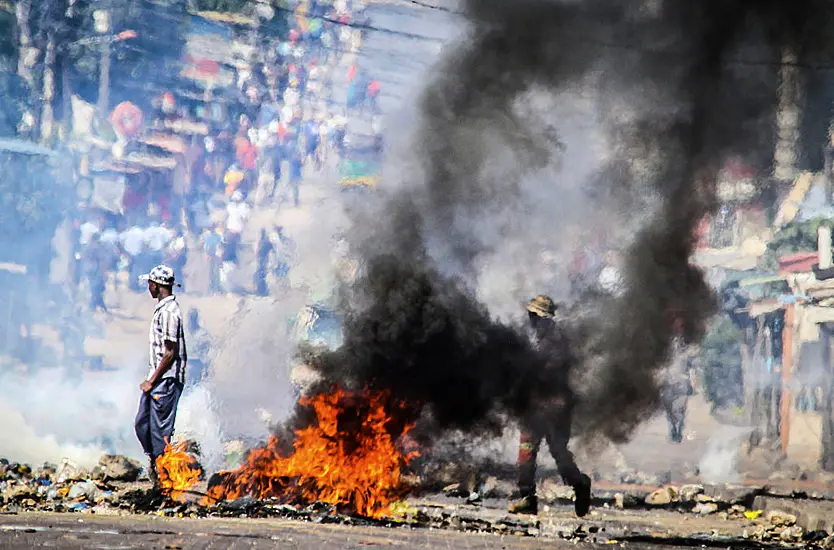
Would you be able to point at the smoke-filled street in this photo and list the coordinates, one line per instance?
(426, 274)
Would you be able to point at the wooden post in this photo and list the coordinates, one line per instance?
(749, 386)
(773, 392)
(827, 408)
(47, 115)
(787, 368)
(104, 79)
(824, 247)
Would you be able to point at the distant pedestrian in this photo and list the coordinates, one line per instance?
(167, 363)
(676, 382)
(132, 243)
(296, 175)
(211, 241)
(96, 266)
(265, 249)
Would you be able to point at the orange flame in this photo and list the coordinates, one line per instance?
(178, 471)
(347, 458)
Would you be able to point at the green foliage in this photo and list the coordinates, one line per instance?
(794, 237)
(16, 98)
(721, 362)
(33, 200)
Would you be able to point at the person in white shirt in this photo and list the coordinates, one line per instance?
(237, 213)
(132, 242)
(87, 230)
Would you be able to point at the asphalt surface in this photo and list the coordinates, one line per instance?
(90, 532)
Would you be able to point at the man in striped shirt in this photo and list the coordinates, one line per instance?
(168, 359)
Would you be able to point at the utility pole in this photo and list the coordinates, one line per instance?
(102, 27)
(788, 116)
(26, 53)
(826, 261)
(47, 115)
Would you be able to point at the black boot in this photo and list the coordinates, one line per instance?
(152, 473)
(583, 496)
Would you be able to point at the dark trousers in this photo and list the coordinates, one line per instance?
(551, 422)
(674, 398)
(97, 286)
(261, 288)
(155, 419)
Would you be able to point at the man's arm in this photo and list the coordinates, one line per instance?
(170, 332)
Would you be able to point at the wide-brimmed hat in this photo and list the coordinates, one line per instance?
(542, 305)
(161, 275)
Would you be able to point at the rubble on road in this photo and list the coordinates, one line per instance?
(118, 468)
(475, 503)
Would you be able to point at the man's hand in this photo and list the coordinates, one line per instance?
(146, 386)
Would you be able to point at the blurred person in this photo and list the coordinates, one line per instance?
(676, 382)
(338, 132)
(167, 362)
(157, 238)
(176, 253)
(324, 135)
(296, 174)
(237, 213)
(263, 253)
(87, 230)
(229, 248)
(96, 264)
(312, 135)
(372, 96)
(356, 93)
(550, 417)
(275, 151)
(376, 129)
(71, 330)
(284, 253)
(132, 243)
(233, 179)
(211, 241)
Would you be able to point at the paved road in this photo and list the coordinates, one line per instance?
(69, 531)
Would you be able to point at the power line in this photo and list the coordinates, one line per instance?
(595, 42)
(433, 7)
(363, 26)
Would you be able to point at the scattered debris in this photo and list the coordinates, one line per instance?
(118, 468)
(779, 518)
(704, 508)
(662, 497)
(687, 493)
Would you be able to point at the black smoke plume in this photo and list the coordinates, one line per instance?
(680, 87)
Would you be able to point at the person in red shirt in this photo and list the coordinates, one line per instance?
(372, 95)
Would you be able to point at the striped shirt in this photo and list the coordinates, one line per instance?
(167, 325)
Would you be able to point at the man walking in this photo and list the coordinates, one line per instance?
(168, 358)
(676, 382)
(550, 416)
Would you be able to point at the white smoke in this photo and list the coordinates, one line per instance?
(47, 415)
(720, 461)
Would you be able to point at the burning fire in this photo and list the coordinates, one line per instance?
(178, 471)
(348, 457)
